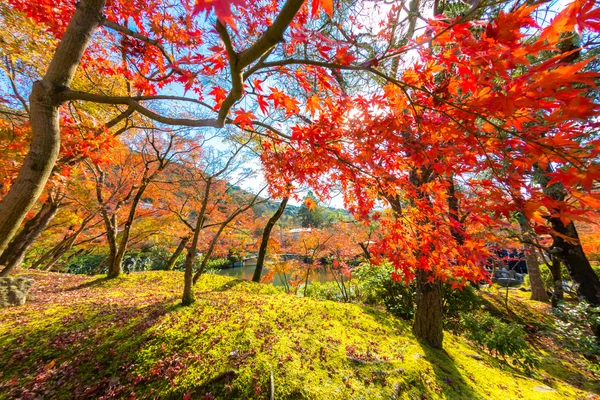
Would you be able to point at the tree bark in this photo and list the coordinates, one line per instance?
(262, 251)
(428, 322)
(570, 251)
(50, 258)
(214, 240)
(572, 255)
(15, 252)
(538, 291)
(110, 223)
(114, 266)
(556, 271)
(171, 263)
(188, 284)
(44, 119)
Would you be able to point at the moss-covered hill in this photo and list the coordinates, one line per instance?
(81, 337)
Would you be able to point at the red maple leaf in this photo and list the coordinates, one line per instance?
(222, 9)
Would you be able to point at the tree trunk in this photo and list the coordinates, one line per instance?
(209, 251)
(171, 263)
(365, 249)
(538, 291)
(17, 249)
(188, 283)
(556, 271)
(110, 224)
(428, 322)
(51, 257)
(214, 240)
(262, 251)
(44, 119)
(114, 266)
(570, 251)
(572, 255)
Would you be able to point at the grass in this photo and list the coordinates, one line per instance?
(85, 337)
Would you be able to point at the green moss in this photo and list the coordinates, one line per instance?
(90, 337)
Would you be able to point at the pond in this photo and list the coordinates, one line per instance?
(247, 271)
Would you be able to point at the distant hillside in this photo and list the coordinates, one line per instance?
(291, 211)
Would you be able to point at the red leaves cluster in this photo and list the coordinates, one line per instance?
(489, 109)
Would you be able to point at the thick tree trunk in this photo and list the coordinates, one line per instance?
(556, 271)
(572, 255)
(570, 251)
(45, 142)
(538, 291)
(171, 263)
(262, 251)
(17, 249)
(428, 322)
(456, 227)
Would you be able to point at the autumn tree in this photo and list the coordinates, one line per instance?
(475, 102)
(171, 46)
(26, 54)
(207, 201)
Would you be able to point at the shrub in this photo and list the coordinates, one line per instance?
(499, 338)
(573, 329)
(217, 264)
(84, 264)
(376, 286)
(324, 291)
(456, 301)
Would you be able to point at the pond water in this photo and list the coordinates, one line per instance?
(247, 271)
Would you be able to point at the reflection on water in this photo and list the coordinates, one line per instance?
(246, 272)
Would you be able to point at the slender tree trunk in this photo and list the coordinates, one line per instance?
(538, 291)
(209, 251)
(556, 271)
(171, 263)
(428, 322)
(44, 119)
(17, 249)
(114, 266)
(110, 224)
(188, 283)
(365, 250)
(262, 251)
(213, 242)
(67, 245)
(51, 257)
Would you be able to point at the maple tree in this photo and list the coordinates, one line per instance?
(124, 182)
(480, 107)
(141, 56)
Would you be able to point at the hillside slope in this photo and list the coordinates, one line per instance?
(83, 337)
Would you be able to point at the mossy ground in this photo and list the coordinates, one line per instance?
(82, 337)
